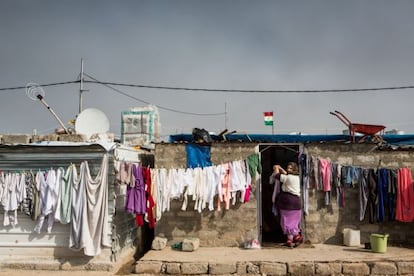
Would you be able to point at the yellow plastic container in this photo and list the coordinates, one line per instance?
(379, 243)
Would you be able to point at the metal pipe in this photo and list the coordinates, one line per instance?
(40, 97)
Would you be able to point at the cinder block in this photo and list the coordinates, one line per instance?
(273, 268)
(385, 268)
(72, 137)
(222, 268)
(16, 139)
(328, 268)
(47, 137)
(301, 268)
(194, 268)
(405, 268)
(173, 268)
(148, 267)
(159, 243)
(191, 244)
(355, 269)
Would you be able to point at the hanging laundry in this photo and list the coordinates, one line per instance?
(163, 191)
(392, 194)
(200, 190)
(325, 176)
(89, 228)
(313, 175)
(211, 187)
(249, 181)
(405, 196)
(304, 167)
(177, 183)
(255, 165)
(382, 189)
(12, 197)
(3, 187)
(363, 194)
(218, 175)
(275, 194)
(189, 180)
(225, 187)
(153, 192)
(46, 194)
(64, 206)
(31, 196)
(124, 173)
(135, 197)
(372, 195)
(149, 214)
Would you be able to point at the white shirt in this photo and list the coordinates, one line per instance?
(291, 183)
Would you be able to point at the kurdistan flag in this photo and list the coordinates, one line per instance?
(268, 118)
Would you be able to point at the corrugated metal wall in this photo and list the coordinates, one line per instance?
(31, 157)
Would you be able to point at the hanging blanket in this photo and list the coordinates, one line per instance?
(89, 229)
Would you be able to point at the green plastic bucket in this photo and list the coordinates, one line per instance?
(379, 243)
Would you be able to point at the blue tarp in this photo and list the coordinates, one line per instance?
(198, 155)
(393, 139)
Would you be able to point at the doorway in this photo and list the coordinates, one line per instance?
(271, 232)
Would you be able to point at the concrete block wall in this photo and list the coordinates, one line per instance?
(213, 228)
(325, 223)
(11, 139)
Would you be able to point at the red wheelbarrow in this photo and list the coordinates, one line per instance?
(375, 131)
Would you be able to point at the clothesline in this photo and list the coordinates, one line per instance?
(230, 182)
(378, 187)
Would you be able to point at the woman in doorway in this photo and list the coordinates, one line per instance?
(288, 202)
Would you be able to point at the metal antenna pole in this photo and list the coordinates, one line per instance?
(81, 87)
(40, 97)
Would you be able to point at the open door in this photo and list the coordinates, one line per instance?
(271, 231)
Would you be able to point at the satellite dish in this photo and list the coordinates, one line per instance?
(91, 121)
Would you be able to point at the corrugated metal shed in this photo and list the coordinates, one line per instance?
(21, 240)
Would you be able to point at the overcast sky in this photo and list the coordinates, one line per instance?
(242, 45)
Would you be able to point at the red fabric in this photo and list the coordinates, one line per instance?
(405, 196)
(247, 194)
(150, 204)
(139, 220)
(146, 173)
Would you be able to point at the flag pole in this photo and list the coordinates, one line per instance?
(273, 123)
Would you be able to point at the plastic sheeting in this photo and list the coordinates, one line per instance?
(393, 139)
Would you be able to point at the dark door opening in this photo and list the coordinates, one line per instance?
(271, 155)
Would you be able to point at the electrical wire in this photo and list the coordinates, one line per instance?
(47, 84)
(258, 91)
(219, 90)
(160, 107)
(111, 84)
